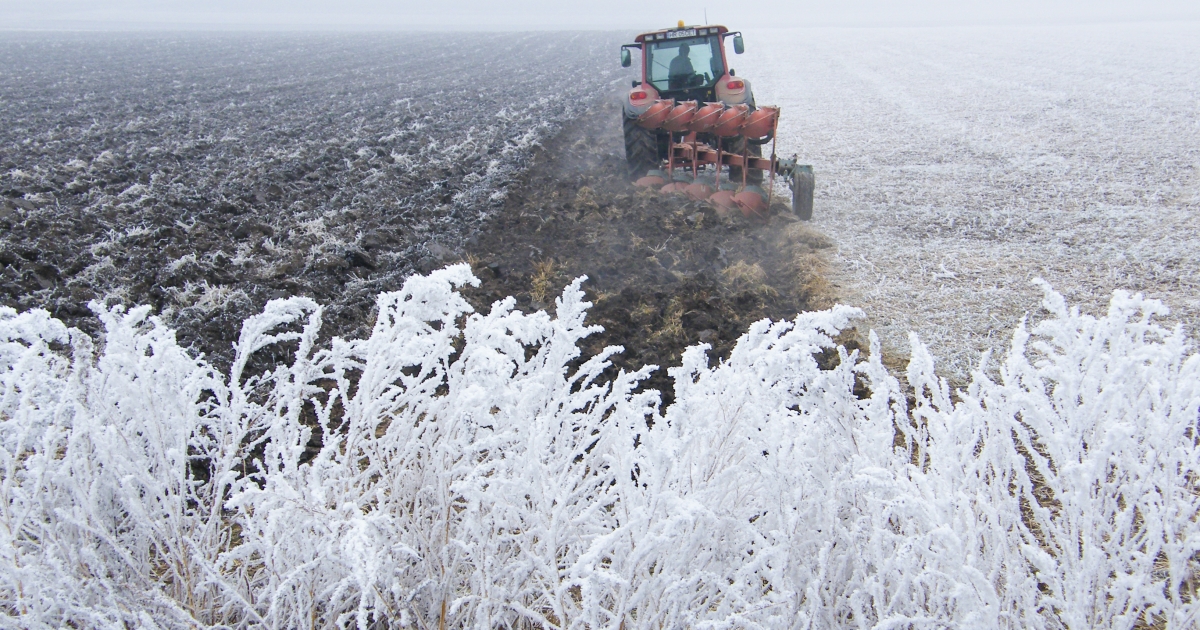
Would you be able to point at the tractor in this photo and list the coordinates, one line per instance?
(692, 127)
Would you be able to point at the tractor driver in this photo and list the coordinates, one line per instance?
(681, 70)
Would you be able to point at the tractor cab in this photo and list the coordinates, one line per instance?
(685, 63)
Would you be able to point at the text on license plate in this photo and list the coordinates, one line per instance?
(691, 32)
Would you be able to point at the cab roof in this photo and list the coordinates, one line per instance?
(679, 32)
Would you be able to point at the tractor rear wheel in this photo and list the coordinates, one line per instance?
(802, 192)
(738, 144)
(641, 148)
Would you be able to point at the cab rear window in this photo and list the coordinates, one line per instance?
(680, 64)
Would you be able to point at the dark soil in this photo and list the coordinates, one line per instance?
(205, 174)
(664, 272)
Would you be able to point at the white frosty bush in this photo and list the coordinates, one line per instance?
(475, 471)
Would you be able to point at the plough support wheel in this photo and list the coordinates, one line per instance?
(802, 192)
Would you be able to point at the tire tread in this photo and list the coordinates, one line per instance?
(802, 195)
(641, 149)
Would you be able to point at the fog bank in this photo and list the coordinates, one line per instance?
(554, 15)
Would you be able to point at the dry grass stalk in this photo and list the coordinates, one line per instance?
(585, 200)
(672, 326)
(745, 277)
(543, 277)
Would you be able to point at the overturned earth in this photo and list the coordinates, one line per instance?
(663, 272)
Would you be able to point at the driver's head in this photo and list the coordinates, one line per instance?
(683, 50)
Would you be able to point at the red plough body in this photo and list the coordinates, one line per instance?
(695, 151)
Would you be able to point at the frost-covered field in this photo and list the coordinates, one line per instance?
(954, 165)
(471, 478)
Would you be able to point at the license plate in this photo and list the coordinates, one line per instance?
(691, 32)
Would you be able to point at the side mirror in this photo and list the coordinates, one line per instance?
(739, 46)
(625, 58)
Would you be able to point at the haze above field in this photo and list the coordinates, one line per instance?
(557, 15)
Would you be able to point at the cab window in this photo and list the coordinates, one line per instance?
(669, 67)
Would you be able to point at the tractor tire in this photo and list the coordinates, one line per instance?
(802, 193)
(641, 149)
(737, 144)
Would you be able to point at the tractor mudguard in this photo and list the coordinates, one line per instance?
(733, 90)
(638, 100)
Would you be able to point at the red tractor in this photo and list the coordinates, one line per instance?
(692, 127)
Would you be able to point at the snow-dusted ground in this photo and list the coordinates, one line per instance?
(955, 165)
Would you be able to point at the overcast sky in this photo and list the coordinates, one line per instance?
(568, 14)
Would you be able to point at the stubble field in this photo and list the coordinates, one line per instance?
(956, 165)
